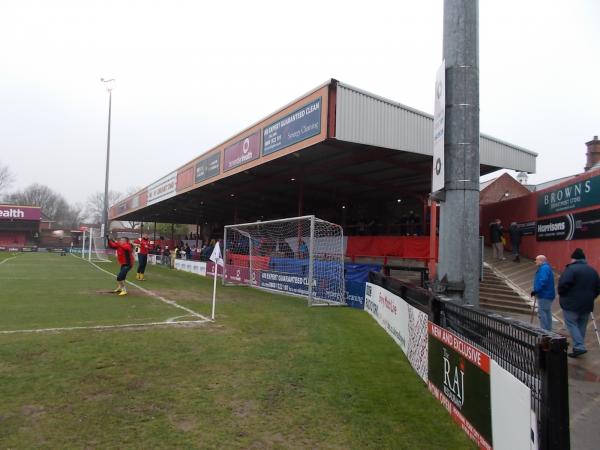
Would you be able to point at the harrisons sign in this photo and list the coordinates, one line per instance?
(584, 225)
(577, 195)
(295, 127)
(242, 152)
(162, 189)
(19, 213)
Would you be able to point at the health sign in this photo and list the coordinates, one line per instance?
(293, 128)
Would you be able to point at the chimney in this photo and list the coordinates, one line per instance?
(593, 153)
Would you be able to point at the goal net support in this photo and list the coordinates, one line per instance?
(301, 256)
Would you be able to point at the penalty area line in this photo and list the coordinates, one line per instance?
(154, 294)
(107, 327)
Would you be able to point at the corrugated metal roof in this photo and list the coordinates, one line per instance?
(365, 118)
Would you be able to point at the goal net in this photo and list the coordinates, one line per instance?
(97, 251)
(301, 256)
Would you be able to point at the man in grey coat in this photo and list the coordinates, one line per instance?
(578, 287)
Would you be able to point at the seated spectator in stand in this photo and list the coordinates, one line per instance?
(188, 252)
(207, 251)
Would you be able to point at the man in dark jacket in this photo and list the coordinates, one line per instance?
(496, 239)
(578, 287)
(515, 240)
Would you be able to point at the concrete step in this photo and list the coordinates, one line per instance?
(505, 290)
(501, 298)
(491, 300)
(504, 308)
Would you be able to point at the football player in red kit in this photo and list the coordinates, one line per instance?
(126, 260)
(144, 247)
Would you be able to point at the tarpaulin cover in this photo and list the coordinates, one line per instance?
(360, 272)
(300, 267)
(412, 247)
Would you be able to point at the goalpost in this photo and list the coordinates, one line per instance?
(301, 256)
(96, 251)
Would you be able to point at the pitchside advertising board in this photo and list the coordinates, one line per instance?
(242, 152)
(404, 323)
(584, 225)
(11, 213)
(302, 124)
(162, 189)
(459, 377)
(208, 167)
(573, 196)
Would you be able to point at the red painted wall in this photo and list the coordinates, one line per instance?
(524, 209)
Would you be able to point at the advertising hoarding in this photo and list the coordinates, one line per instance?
(584, 225)
(573, 196)
(459, 377)
(403, 322)
(10, 213)
(162, 189)
(301, 124)
(242, 152)
(208, 167)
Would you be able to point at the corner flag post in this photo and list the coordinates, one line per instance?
(218, 260)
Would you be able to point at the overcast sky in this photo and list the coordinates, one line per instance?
(190, 74)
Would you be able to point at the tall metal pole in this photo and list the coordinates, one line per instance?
(459, 222)
(109, 88)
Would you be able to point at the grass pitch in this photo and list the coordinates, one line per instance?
(269, 373)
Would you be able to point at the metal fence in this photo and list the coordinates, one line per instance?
(535, 357)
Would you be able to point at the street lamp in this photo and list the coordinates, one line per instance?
(110, 85)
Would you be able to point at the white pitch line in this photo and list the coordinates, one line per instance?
(105, 327)
(7, 259)
(153, 294)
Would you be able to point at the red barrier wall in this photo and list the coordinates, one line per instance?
(410, 247)
(524, 209)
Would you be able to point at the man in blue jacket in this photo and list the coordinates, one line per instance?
(578, 287)
(543, 289)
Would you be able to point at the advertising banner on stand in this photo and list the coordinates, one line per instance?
(162, 189)
(302, 124)
(459, 377)
(10, 213)
(208, 167)
(242, 152)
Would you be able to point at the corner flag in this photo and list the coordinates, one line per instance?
(216, 256)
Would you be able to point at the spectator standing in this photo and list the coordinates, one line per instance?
(496, 239)
(543, 290)
(515, 241)
(578, 287)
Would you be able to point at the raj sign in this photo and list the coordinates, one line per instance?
(439, 123)
(459, 377)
